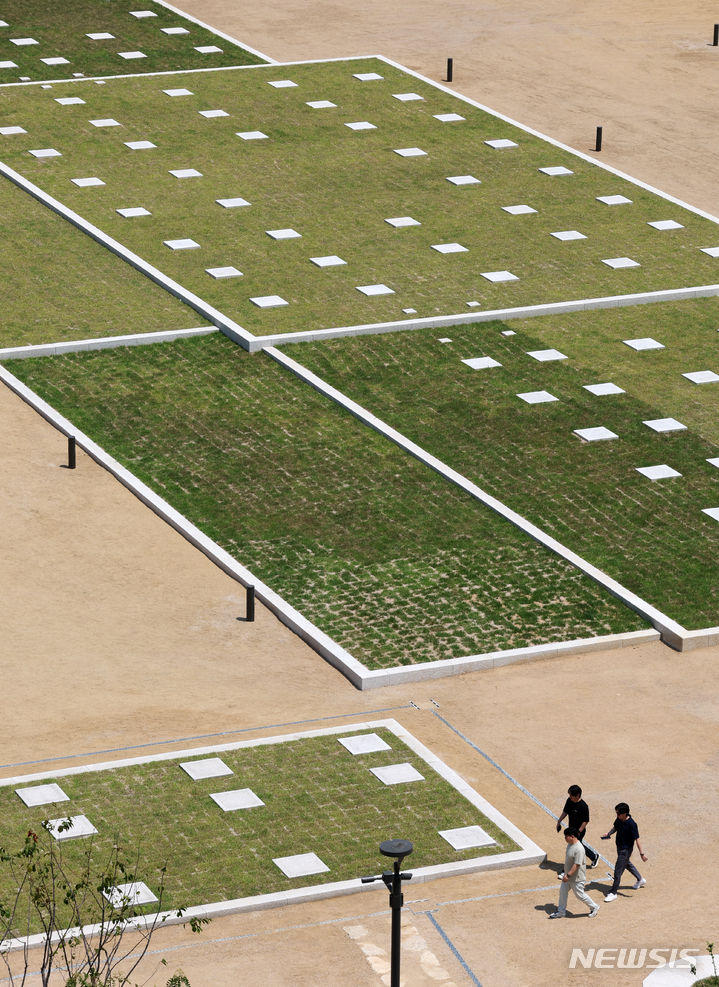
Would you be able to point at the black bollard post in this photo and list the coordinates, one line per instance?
(715, 42)
(598, 146)
(71, 458)
(450, 66)
(250, 607)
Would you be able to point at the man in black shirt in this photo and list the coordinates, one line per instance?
(577, 812)
(627, 835)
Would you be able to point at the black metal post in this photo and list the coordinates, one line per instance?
(71, 456)
(715, 42)
(450, 65)
(396, 900)
(250, 609)
(598, 146)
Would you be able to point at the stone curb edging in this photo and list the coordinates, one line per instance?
(672, 632)
(529, 853)
(103, 343)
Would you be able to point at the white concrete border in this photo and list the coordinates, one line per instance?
(529, 852)
(103, 343)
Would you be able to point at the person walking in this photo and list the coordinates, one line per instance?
(576, 811)
(574, 875)
(627, 836)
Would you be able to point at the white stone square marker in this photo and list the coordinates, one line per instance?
(107, 122)
(134, 211)
(714, 462)
(45, 152)
(482, 362)
(601, 389)
(208, 767)
(183, 244)
(614, 200)
(4, 24)
(537, 397)
(406, 97)
(223, 272)
(666, 224)
(233, 203)
(87, 182)
(207, 49)
(332, 260)
(499, 276)
(448, 117)
(712, 251)
(545, 355)
(186, 173)
(713, 512)
(287, 234)
(449, 248)
(100, 36)
(80, 826)
(361, 125)
(42, 794)
(367, 76)
(499, 144)
(268, 301)
(178, 92)
(139, 145)
(9, 131)
(565, 235)
(646, 343)
(300, 865)
(409, 311)
(473, 304)
(444, 339)
(397, 774)
(664, 425)
(8, 65)
(702, 377)
(240, 798)
(375, 289)
(401, 221)
(56, 61)
(252, 135)
(598, 434)
(70, 101)
(508, 332)
(466, 837)
(22, 42)
(132, 54)
(662, 472)
(321, 104)
(464, 180)
(556, 170)
(143, 13)
(410, 152)
(213, 113)
(521, 210)
(283, 84)
(619, 262)
(174, 30)
(365, 743)
(125, 895)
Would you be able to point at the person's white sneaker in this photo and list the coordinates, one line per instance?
(560, 876)
(594, 911)
(557, 915)
(639, 884)
(610, 897)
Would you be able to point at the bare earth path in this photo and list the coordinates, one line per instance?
(117, 634)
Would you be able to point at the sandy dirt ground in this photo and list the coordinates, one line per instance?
(118, 638)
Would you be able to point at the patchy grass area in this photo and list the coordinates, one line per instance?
(60, 285)
(650, 535)
(61, 31)
(337, 187)
(390, 560)
(318, 798)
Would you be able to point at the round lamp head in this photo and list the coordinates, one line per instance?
(396, 848)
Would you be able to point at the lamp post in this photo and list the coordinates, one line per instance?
(398, 849)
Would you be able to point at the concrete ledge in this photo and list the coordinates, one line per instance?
(102, 343)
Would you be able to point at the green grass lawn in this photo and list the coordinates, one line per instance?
(391, 561)
(336, 187)
(61, 30)
(651, 536)
(318, 798)
(60, 285)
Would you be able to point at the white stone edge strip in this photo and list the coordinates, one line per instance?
(672, 632)
(499, 314)
(213, 315)
(530, 852)
(102, 343)
(213, 30)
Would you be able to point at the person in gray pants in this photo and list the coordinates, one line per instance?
(574, 875)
